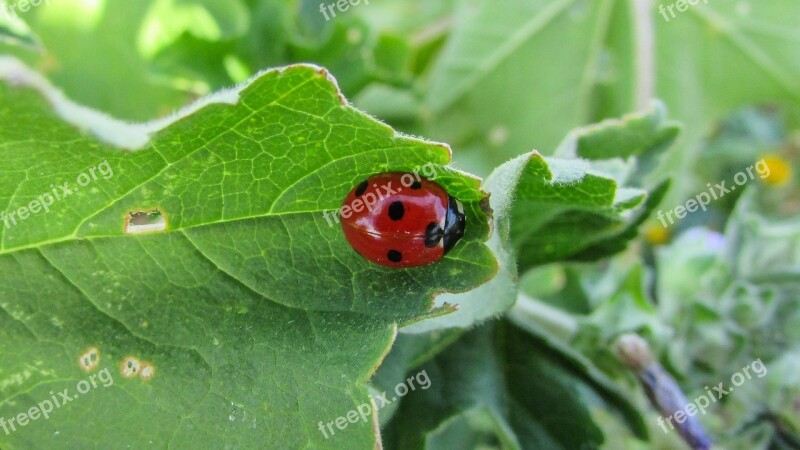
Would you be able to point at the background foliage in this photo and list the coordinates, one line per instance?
(261, 321)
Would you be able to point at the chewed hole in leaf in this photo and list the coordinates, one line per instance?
(89, 359)
(146, 221)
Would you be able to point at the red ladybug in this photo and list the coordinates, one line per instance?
(399, 219)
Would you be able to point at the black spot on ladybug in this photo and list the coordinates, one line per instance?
(394, 256)
(416, 185)
(396, 211)
(433, 234)
(361, 188)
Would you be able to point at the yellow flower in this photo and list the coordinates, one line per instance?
(655, 234)
(780, 172)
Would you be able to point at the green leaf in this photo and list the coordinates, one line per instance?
(116, 79)
(567, 211)
(721, 303)
(562, 210)
(556, 209)
(408, 352)
(509, 387)
(516, 75)
(258, 317)
(210, 20)
(561, 64)
(280, 32)
(15, 32)
(756, 46)
(646, 133)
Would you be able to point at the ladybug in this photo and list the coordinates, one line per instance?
(399, 219)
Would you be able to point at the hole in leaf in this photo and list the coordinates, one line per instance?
(139, 222)
(129, 367)
(89, 359)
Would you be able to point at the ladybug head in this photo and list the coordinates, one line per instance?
(454, 223)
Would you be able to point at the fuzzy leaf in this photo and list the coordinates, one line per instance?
(258, 317)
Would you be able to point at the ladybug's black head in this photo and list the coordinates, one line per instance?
(454, 224)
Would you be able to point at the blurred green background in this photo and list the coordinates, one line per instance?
(495, 79)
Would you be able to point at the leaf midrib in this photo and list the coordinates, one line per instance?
(748, 48)
(516, 40)
(167, 165)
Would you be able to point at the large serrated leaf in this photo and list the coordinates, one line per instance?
(258, 317)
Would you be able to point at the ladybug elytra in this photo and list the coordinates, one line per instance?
(398, 220)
